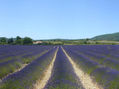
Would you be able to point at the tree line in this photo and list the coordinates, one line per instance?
(16, 41)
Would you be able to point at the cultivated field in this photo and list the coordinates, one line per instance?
(59, 67)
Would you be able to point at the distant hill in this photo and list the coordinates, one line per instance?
(108, 37)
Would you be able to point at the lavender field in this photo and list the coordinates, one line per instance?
(59, 67)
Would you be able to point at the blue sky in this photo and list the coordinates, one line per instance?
(68, 19)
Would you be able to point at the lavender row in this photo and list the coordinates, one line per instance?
(63, 76)
(101, 59)
(28, 76)
(17, 51)
(11, 66)
(105, 76)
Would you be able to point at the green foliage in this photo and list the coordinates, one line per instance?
(19, 40)
(10, 41)
(16, 41)
(107, 39)
(27, 41)
(114, 84)
(3, 40)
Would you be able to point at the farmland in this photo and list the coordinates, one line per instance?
(59, 67)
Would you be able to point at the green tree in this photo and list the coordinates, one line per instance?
(27, 41)
(19, 40)
(3, 40)
(10, 41)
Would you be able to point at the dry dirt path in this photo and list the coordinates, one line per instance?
(41, 83)
(85, 79)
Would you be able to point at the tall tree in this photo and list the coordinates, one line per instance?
(18, 40)
(10, 41)
(3, 40)
(27, 41)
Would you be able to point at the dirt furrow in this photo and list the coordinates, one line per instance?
(86, 80)
(40, 84)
